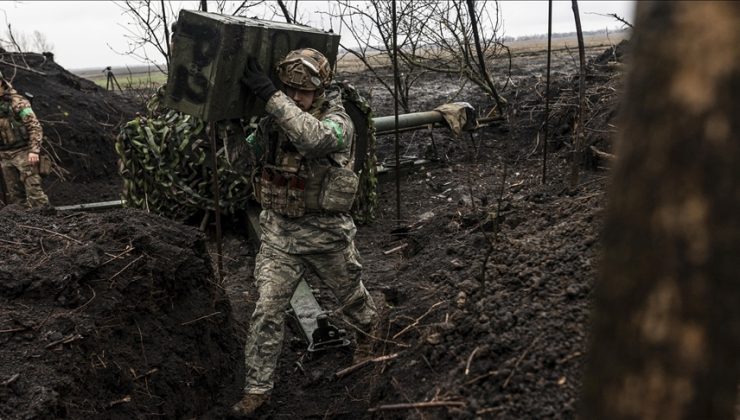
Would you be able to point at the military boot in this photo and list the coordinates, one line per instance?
(249, 404)
(365, 343)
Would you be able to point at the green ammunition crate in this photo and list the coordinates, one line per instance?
(209, 55)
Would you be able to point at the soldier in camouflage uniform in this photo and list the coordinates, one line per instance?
(20, 145)
(306, 192)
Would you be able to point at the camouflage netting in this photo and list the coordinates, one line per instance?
(166, 165)
(367, 197)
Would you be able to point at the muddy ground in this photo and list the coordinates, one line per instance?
(486, 276)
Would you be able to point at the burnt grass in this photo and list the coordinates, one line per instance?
(485, 278)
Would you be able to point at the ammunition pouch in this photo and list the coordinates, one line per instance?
(338, 190)
(281, 192)
(44, 165)
(13, 134)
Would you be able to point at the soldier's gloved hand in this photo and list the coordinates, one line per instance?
(257, 81)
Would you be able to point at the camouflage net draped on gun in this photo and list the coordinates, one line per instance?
(166, 166)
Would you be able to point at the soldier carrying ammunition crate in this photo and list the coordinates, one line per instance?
(306, 189)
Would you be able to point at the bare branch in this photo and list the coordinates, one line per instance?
(286, 13)
(621, 19)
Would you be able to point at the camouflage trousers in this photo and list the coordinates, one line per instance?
(22, 181)
(277, 275)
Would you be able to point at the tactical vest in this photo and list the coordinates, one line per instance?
(13, 134)
(292, 185)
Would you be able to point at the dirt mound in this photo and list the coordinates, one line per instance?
(617, 53)
(80, 122)
(113, 315)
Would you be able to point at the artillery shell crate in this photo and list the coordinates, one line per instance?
(210, 52)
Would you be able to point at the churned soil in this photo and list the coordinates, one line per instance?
(485, 277)
(111, 315)
(483, 281)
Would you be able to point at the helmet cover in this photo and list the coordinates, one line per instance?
(305, 69)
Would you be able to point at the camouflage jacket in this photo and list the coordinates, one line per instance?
(19, 126)
(321, 135)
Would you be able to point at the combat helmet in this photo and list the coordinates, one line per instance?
(305, 69)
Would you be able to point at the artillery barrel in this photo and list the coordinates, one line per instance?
(412, 121)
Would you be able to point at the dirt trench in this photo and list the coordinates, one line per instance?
(117, 314)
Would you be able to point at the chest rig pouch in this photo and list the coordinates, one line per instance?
(280, 188)
(338, 189)
(13, 133)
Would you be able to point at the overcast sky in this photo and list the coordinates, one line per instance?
(88, 34)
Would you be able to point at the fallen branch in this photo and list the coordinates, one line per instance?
(14, 243)
(13, 330)
(398, 248)
(361, 331)
(489, 410)
(8, 63)
(470, 360)
(53, 233)
(198, 319)
(125, 399)
(518, 361)
(65, 340)
(77, 241)
(124, 269)
(144, 375)
(416, 322)
(425, 404)
(126, 250)
(603, 155)
(81, 307)
(11, 379)
(346, 371)
(483, 376)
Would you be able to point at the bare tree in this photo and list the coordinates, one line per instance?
(18, 41)
(15, 41)
(150, 26)
(16, 45)
(148, 31)
(41, 43)
(459, 40)
(369, 26)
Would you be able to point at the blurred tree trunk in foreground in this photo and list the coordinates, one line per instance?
(666, 326)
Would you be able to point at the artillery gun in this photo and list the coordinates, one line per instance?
(166, 161)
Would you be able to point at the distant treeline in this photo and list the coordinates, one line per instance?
(539, 37)
(561, 35)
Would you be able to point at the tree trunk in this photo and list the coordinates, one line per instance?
(665, 329)
(577, 155)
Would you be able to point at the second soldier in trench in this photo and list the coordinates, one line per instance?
(20, 146)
